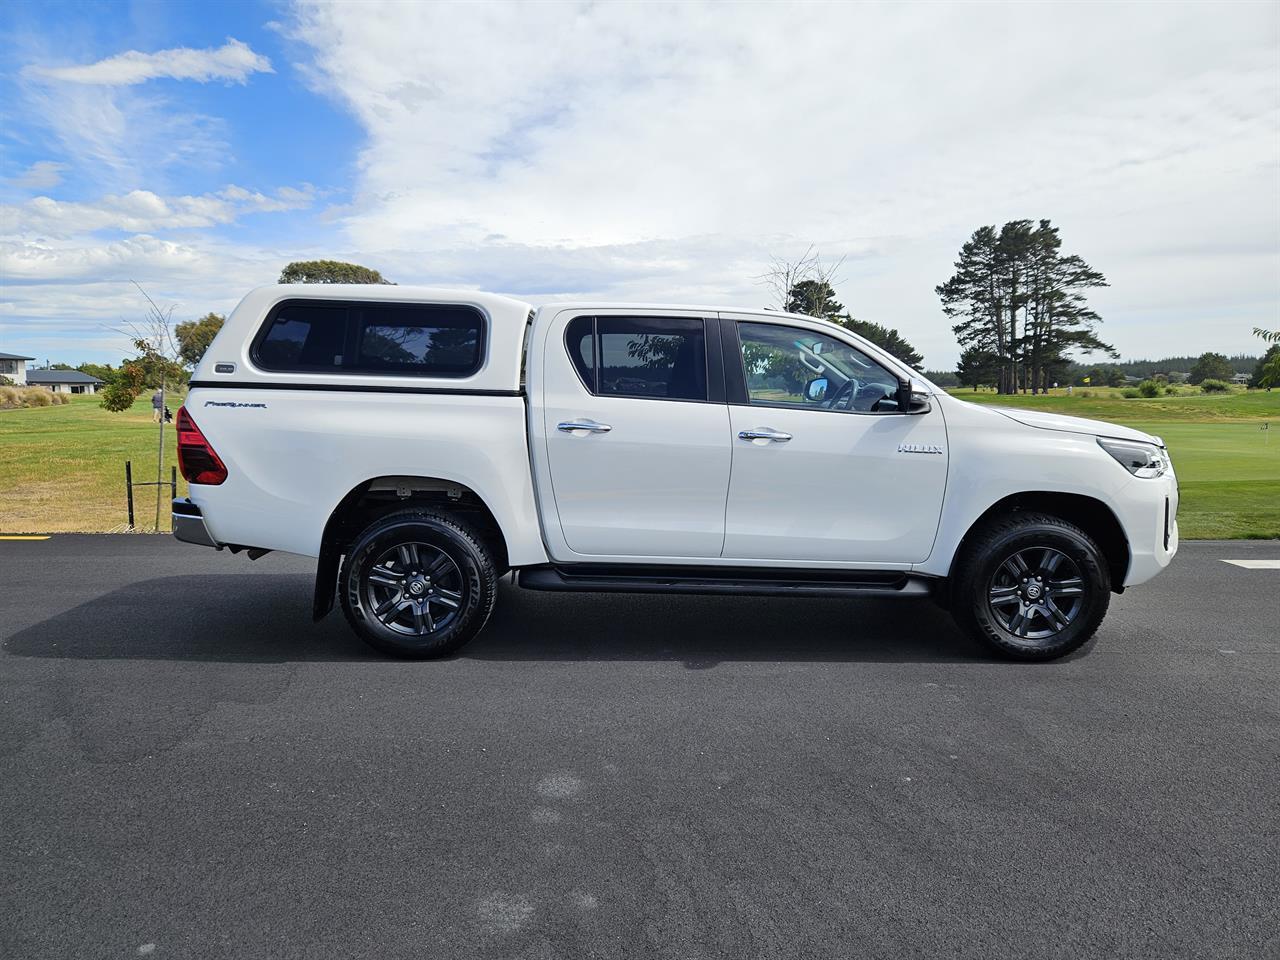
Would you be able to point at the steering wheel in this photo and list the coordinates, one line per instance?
(843, 395)
(868, 397)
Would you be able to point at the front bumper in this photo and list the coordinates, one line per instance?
(188, 524)
(1150, 517)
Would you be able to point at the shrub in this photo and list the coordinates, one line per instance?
(37, 397)
(10, 397)
(61, 398)
(1130, 394)
(1086, 393)
(1214, 386)
(1149, 388)
(1171, 391)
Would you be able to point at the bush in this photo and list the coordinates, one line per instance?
(61, 398)
(1214, 386)
(37, 397)
(1130, 394)
(1171, 391)
(1086, 393)
(10, 397)
(1149, 388)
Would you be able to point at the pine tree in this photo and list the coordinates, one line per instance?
(1019, 301)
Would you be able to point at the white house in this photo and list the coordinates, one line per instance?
(64, 381)
(14, 367)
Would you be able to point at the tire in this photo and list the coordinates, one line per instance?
(1031, 586)
(418, 584)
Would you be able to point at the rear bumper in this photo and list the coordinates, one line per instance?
(188, 524)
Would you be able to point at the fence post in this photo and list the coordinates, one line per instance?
(173, 483)
(128, 486)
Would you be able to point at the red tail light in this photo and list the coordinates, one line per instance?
(197, 460)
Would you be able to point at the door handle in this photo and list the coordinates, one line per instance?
(774, 435)
(589, 425)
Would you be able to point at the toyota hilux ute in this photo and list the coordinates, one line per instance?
(422, 443)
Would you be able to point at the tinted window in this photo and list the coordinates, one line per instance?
(304, 337)
(427, 340)
(580, 339)
(791, 366)
(651, 357)
(411, 340)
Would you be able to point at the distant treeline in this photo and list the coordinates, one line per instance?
(1076, 372)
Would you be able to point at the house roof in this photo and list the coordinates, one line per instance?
(59, 376)
(13, 356)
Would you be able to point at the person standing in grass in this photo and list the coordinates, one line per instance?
(157, 406)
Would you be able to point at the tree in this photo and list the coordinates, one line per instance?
(194, 336)
(329, 271)
(1211, 366)
(979, 368)
(1015, 297)
(806, 286)
(157, 364)
(815, 298)
(1267, 372)
(103, 371)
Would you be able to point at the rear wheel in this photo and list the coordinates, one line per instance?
(418, 584)
(1031, 586)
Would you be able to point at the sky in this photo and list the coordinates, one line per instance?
(635, 152)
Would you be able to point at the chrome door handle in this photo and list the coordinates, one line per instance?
(589, 425)
(764, 435)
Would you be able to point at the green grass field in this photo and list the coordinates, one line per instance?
(1228, 467)
(62, 468)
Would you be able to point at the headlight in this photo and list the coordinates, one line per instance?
(1141, 459)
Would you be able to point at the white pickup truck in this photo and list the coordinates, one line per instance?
(422, 443)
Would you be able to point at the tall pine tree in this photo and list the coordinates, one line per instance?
(1021, 305)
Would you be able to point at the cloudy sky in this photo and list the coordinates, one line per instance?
(636, 152)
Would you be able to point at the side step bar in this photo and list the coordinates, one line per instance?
(737, 582)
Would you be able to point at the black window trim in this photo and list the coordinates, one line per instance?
(736, 372)
(712, 349)
(348, 305)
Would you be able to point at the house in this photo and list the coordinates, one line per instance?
(64, 381)
(1242, 378)
(14, 368)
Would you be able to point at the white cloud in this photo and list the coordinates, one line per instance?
(41, 175)
(144, 211)
(649, 150)
(234, 62)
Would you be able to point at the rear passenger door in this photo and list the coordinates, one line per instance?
(637, 435)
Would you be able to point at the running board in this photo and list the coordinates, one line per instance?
(736, 582)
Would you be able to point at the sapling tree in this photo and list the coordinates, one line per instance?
(158, 364)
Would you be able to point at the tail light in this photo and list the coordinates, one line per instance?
(197, 460)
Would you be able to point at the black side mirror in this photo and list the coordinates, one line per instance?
(909, 402)
(816, 389)
(903, 396)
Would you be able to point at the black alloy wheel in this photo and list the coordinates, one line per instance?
(1031, 586)
(1036, 593)
(418, 583)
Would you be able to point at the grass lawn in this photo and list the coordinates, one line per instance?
(62, 468)
(1228, 467)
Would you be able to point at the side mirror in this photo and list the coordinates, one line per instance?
(816, 389)
(911, 403)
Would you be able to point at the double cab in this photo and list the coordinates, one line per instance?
(423, 443)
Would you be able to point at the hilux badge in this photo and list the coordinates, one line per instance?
(919, 448)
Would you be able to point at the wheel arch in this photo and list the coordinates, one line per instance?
(376, 496)
(1088, 513)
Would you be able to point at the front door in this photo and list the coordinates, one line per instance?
(825, 468)
(637, 435)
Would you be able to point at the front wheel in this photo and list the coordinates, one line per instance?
(1031, 586)
(418, 584)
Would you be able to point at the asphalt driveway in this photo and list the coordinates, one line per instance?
(189, 768)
